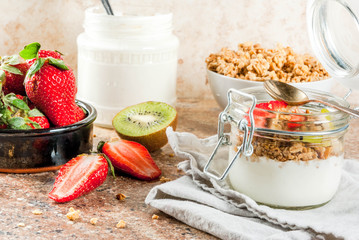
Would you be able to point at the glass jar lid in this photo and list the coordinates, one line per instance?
(333, 28)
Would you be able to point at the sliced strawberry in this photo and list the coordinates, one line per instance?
(260, 113)
(292, 122)
(79, 176)
(276, 106)
(132, 158)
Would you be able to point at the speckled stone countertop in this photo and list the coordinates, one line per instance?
(21, 194)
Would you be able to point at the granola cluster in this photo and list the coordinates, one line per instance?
(280, 149)
(253, 62)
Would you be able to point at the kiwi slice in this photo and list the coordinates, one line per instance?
(146, 123)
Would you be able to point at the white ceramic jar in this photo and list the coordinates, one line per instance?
(124, 60)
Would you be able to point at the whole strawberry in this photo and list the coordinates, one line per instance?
(15, 113)
(45, 54)
(38, 119)
(51, 86)
(78, 176)
(13, 73)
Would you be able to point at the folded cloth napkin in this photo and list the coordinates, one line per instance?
(212, 206)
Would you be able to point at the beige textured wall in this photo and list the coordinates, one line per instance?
(203, 26)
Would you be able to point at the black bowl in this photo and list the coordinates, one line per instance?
(37, 150)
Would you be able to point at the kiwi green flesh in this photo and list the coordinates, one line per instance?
(144, 118)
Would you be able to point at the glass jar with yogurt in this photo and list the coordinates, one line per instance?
(291, 158)
(126, 59)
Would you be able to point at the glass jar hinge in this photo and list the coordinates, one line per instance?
(246, 147)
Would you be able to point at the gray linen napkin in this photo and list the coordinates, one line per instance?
(213, 207)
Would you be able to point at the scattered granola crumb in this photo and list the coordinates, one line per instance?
(37, 212)
(93, 221)
(121, 224)
(154, 216)
(164, 179)
(121, 196)
(94, 135)
(21, 224)
(114, 139)
(73, 214)
(171, 155)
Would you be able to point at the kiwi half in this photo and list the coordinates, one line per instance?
(146, 123)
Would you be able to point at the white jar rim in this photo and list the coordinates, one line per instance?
(100, 25)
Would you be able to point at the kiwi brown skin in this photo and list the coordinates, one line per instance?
(153, 141)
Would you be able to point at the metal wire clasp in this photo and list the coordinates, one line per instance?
(224, 138)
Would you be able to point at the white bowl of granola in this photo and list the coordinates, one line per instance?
(251, 65)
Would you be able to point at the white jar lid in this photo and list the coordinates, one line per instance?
(333, 28)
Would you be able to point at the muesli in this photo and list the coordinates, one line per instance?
(255, 63)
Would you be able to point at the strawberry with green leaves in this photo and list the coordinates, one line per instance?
(131, 158)
(45, 54)
(50, 84)
(15, 113)
(79, 176)
(12, 74)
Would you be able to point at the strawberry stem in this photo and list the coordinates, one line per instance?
(110, 165)
(99, 146)
(99, 149)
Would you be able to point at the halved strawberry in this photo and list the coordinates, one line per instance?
(79, 176)
(130, 157)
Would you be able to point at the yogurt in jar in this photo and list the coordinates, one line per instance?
(286, 184)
